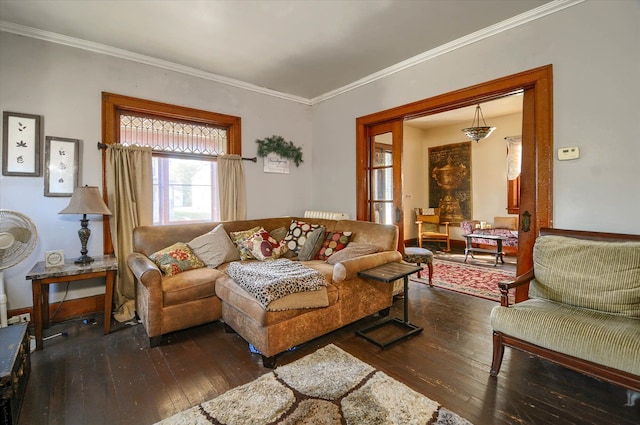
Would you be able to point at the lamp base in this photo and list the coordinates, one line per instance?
(84, 259)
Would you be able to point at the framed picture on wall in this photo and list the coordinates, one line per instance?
(61, 166)
(450, 181)
(20, 144)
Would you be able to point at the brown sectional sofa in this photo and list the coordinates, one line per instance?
(169, 303)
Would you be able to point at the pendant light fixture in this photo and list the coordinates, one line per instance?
(477, 132)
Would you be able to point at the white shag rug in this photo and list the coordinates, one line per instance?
(327, 387)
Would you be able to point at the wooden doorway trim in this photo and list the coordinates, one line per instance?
(537, 135)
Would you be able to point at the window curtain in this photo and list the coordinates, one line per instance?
(130, 197)
(514, 156)
(233, 204)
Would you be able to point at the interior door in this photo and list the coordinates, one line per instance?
(384, 176)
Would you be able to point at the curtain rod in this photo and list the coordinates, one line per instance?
(254, 159)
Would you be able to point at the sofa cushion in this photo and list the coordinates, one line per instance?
(603, 338)
(175, 259)
(334, 242)
(312, 245)
(232, 294)
(298, 300)
(598, 275)
(353, 250)
(189, 286)
(239, 238)
(215, 247)
(297, 235)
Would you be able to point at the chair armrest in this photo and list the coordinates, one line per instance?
(145, 270)
(505, 286)
(349, 269)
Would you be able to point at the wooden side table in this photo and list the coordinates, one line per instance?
(497, 252)
(389, 273)
(41, 277)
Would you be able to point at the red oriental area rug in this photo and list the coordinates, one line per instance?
(466, 278)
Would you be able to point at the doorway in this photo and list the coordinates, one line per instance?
(537, 149)
(383, 175)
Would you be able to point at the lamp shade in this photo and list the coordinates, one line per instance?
(476, 131)
(86, 200)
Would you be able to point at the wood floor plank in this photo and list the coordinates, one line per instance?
(95, 379)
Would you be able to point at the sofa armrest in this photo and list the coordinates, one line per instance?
(523, 279)
(349, 269)
(145, 270)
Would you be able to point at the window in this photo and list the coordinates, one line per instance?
(185, 143)
(382, 184)
(184, 190)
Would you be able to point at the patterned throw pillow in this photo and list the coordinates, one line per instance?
(334, 242)
(297, 236)
(176, 259)
(263, 246)
(239, 237)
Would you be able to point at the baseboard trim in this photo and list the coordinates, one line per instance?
(69, 309)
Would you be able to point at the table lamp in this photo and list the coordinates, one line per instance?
(85, 200)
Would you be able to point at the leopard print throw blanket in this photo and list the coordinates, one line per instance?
(267, 281)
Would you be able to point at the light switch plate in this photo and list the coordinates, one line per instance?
(565, 154)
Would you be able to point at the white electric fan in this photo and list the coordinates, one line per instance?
(18, 237)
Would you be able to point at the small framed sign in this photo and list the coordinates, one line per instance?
(61, 166)
(54, 258)
(20, 144)
(274, 163)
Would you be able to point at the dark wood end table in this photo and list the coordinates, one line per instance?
(469, 249)
(389, 273)
(41, 277)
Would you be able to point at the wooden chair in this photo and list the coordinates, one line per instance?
(428, 221)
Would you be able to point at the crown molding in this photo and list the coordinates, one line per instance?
(147, 60)
(537, 13)
(532, 15)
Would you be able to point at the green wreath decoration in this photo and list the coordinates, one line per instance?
(277, 145)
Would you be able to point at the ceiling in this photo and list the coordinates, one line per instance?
(463, 117)
(301, 49)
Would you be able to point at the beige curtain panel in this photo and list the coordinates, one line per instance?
(514, 156)
(130, 197)
(233, 199)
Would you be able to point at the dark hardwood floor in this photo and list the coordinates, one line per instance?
(88, 378)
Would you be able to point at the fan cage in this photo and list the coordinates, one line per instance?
(17, 226)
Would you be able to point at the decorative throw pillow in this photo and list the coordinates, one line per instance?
(312, 245)
(175, 259)
(353, 250)
(297, 235)
(334, 242)
(263, 246)
(510, 223)
(239, 237)
(215, 247)
(279, 233)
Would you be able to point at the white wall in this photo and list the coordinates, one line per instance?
(413, 178)
(64, 85)
(596, 62)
